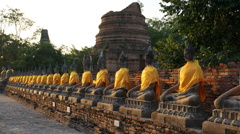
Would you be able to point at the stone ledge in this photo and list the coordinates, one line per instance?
(81, 114)
(216, 128)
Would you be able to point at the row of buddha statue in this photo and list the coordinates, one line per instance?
(186, 95)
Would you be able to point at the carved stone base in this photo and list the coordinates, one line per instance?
(91, 100)
(223, 122)
(64, 95)
(138, 108)
(30, 90)
(76, 97)
(26, 89)
(47, 93)
(179, 115)
(40, 92)
(111, 103)
(54, 95)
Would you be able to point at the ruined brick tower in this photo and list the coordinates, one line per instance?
(44, 35)
(124, 30)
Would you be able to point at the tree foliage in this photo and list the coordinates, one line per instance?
(213, 25)
(167, 42)
(14, 17)
(78, 55)
(23, 54)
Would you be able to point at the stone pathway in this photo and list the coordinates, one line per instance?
(15, 118)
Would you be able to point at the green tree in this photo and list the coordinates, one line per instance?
(13, 50)
(78, 55)
(167, 42)
(44, 53)
(213, 25)
(14, 17)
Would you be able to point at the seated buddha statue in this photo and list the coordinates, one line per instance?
(229, 100)
(49, 80)
(74, 77)
(64, 78)
(34, 78)
(149, 89)
(43, 80)
(26, 79)
(122, 80)
(86, 76)
(38, 78)
(189, 90)
(56, 77)
(3, 73)
(10, 71)
(101, 78)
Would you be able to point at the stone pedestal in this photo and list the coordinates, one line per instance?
(76, 97)
(55, 93)
(138, 108)
(40, 91)
(48, 92)
(179, 115)
(64, 95)
(222, 122)
(91, 100)
(111, 103)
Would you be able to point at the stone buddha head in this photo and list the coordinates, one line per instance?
(35, 71)
(3, 68)
(74, 65)
(3, 75)
(39, 72)
(31, 72)
(56, 69)
(44, 71)
(122, 61)
(64, 67)
(86, 62)
(101, 61)
(10, 71)
(149, 56)
(49, 70)
(189, 52)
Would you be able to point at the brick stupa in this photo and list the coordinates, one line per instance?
(44, 35)
(123, 30)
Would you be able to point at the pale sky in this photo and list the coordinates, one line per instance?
(74, 21)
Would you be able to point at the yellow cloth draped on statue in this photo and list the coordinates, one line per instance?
(43, 79)
(122, 79)
(64, 79)
(49, 79)
(22, 79)
(149, 76)
(26, 79)
(74, 78)
(10, 70)
(102, 76)
(39, 77)
(11, 79)
(191, 74)
(29, 79)
(34, 79)
(4, 71)
(87, 78)
(56, 78)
